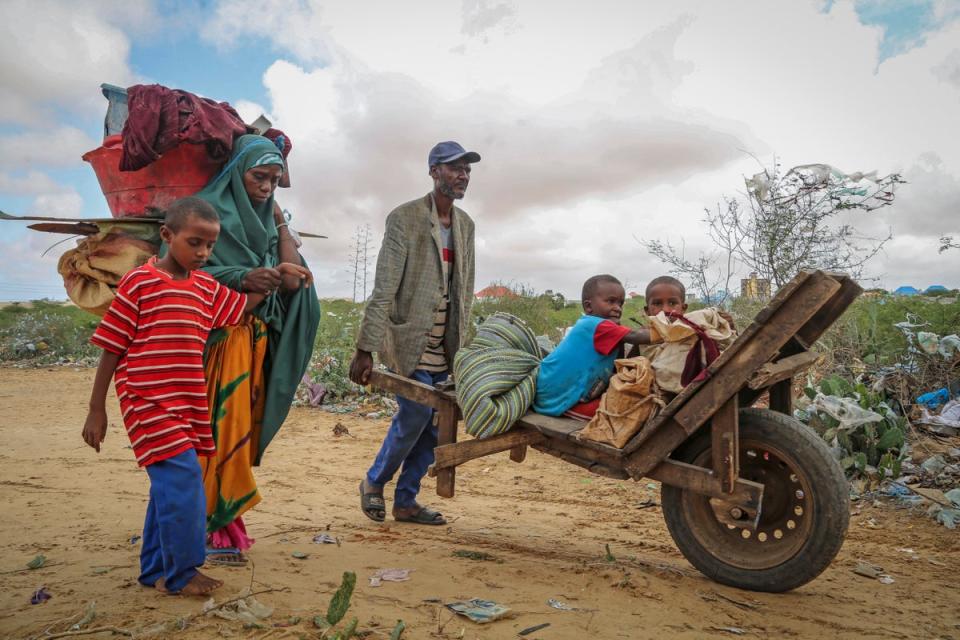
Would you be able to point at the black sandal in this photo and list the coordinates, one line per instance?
(372, 505)
(425, 515)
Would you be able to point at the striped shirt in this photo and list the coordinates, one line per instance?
(159, 327)
(434, 358)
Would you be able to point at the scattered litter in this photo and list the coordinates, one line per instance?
(867, 570)
(325, 538)
(389, 575)
(134, 539)
(479, 611)
(247, 610)
(562, 606)
(944, 515)
(846, 411)
(953, 496)
(934, 464)
(946, 423)
(529, 630)
(40, 596)
(737, 631)
(397, 630)
(646, 504)
(37, 562)
(289, 622)
(651, 485)
(933, 399)
(300, 555)
(474, 555)
(88, 615)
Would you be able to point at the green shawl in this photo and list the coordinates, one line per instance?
(248, 239)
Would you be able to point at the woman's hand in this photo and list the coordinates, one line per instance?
(293, 274)
(263, 280)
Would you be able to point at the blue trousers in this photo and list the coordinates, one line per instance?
(174, 532)
(409, 443)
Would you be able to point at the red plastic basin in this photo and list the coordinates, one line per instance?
(182, 171)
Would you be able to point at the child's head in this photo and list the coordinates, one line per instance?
(190, 229)
(665, 294)
(602, 296)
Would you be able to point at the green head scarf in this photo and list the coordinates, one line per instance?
(248, 240)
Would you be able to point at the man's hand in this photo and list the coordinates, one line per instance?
(361, 366)
(301, 273)
(95, 428)
(261, 280)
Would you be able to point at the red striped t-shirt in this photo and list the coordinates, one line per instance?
(159, 327)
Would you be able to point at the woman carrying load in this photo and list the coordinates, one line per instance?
(252, 369)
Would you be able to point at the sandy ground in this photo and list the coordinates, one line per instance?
(545, 522)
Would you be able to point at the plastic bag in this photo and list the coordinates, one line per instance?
(846, 411)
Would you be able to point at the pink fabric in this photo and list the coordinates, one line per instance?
(234, 536)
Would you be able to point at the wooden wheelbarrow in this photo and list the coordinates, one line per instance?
(752, 497)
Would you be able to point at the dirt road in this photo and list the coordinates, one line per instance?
(544, 522)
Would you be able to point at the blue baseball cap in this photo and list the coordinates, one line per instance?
(450, 151)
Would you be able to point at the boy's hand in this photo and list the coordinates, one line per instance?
(729, 318)
(297, 271)
(95, 428)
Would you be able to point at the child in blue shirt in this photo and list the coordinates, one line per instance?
(572, 378)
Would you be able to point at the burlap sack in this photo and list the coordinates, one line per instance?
(92, 271)
(631, 399)
(669, 357)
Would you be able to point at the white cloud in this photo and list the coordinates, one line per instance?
(55, 54)
(57, 147)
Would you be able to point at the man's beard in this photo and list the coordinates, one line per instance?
(447, 189)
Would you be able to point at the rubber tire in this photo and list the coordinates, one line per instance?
(830, 500)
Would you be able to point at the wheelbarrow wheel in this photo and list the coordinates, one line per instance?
(804, 513)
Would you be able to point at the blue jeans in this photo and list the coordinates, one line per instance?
(409, 442)
(174, 532)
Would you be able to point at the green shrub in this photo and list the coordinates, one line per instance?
(872, 449)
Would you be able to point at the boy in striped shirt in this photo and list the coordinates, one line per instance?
(153, 336)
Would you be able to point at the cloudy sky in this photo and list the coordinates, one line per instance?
(600, 123)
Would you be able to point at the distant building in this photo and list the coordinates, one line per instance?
(754, 288)
(495, 292)
(906, 290)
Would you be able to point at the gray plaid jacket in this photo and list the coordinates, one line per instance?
(409, 286)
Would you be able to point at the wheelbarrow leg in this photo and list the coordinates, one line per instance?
(447, 415)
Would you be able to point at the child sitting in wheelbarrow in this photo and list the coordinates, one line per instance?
(575, 374)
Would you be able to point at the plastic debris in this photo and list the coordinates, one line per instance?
(37, 562)
(867, 570)
(737, 631)
(389, 575)
(40, 596)
(953, 496)
(134, 539)
(479, 611)
(933, 399)
(325, 538)
(300, 555)
(88, 615)
(846, 411)
(885, 580)
(934, 465)
(562, 606)
(529, 630)
(947, 423)
(928, 342)
(247, 610)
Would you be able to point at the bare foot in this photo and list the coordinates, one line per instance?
(199, 585)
